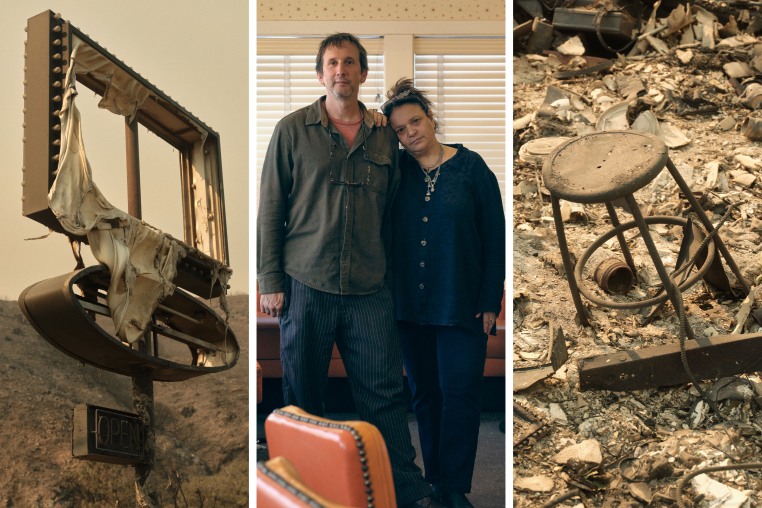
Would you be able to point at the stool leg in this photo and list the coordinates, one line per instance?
(671, 288)
(568, 266)
(707, 224)
(620, 236)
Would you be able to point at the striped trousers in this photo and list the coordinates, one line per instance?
(364, 330)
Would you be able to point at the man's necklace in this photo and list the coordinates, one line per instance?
(437, 168)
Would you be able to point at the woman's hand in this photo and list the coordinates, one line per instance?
(488, 320)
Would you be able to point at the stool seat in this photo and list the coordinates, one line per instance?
(604, 166)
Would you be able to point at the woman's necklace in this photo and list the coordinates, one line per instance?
(437, 167)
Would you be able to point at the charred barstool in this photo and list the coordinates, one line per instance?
(604, 167)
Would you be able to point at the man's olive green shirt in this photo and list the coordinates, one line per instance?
(324, 207)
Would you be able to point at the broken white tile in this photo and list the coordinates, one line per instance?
(586, 451)
(738, 69)
(737, 41)
(561, 373)
(672, 136)
(534, 483)
(718, 495)
(749, 162)
(658, 44)
(641, 491)
(710, 331)
(712, 173)
(742, 177)
(556, 412)
(684, 56)
(572, 46)
(727, 123)
(523, 122)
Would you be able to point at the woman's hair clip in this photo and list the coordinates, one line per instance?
(396, 98)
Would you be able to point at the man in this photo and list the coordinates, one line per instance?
(323, 234)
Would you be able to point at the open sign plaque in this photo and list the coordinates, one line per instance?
(107, 435)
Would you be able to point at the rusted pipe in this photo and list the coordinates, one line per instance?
(614, 276)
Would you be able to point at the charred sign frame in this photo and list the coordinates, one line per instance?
(47, 53)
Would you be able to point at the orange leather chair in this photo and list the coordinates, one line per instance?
(280, 486)
(344, 461)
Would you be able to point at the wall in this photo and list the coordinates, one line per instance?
(424, 10)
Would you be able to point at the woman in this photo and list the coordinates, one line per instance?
(449, 273)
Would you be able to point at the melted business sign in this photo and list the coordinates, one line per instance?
(107, 435)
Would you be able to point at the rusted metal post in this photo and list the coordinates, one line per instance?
(142, 378)
(584, 319)
(669, 285)
(699, 211)
(145, 471)
(134, 206)
(620, 236)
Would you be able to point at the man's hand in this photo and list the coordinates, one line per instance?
(272, 303)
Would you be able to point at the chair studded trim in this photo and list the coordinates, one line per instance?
(272, 475)
(362, 454)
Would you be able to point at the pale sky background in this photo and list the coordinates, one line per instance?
(194, 51)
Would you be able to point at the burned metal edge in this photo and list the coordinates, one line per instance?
(538, 425)
(47, 51)
(138, 77)
(56, 295)
(656, 366)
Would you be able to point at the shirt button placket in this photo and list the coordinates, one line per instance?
(423, 255)
(422, 264)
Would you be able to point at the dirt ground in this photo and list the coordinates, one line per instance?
(632, 448)
(201, 437)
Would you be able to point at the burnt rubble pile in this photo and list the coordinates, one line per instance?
(688, 74)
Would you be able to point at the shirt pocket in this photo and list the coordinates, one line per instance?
(379, 169)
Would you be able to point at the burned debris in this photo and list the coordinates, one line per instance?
(657, 404)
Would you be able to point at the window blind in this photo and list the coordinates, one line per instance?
(465, 79)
